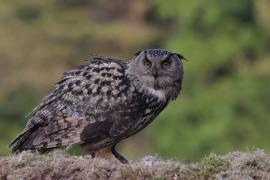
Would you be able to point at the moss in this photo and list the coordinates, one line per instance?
(59, 165)
(212, 165)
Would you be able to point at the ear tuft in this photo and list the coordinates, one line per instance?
(137, 53)
(180, 56)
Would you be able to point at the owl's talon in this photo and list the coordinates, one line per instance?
(119, 156)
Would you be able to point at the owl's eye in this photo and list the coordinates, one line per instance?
(166, 64)
(147, 64)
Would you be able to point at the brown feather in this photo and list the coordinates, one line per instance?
(62, 132)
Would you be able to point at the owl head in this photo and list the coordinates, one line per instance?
(158, 70)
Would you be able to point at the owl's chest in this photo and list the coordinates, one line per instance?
(144, 109)
(153, 106)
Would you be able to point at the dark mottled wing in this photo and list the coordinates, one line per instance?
(80, 107)
(61, 132)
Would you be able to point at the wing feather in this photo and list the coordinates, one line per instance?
(63, 132)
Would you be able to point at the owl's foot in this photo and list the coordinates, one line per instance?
(110, 154)
(118, 156)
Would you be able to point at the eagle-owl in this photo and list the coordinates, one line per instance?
(103, 102)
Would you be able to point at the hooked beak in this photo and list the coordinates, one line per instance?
(155, 73)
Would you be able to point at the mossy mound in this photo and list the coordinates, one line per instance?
(59, 165)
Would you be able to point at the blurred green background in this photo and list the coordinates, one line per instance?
(225, 101)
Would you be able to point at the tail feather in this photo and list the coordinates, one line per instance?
(16, 144)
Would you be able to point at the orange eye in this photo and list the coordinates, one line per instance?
(166, 63)
(147, 64)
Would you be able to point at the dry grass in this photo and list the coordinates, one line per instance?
(59, 165)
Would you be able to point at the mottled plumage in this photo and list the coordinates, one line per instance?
(102, 102)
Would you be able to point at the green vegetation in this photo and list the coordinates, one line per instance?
(225, 100)
(224, 104)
